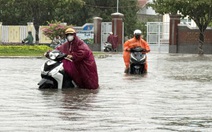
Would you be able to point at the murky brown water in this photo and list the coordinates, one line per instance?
(175, 95)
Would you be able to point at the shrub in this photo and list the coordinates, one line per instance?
(55, 29)
(88, 41)
(23, 50)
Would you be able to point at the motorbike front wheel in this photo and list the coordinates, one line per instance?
(136, 69)
(106, 49)
(47, 84)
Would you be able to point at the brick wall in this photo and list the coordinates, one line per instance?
(187, 40)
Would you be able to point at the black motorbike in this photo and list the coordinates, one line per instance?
(53, 75)
(137, 60)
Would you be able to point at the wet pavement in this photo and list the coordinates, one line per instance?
(175, 95)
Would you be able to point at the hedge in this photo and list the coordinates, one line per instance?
(28, 50)
(23, 50)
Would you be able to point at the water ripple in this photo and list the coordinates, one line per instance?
(175, 95)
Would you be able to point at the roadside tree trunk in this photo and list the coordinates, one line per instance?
(201, 43)
(202, 27)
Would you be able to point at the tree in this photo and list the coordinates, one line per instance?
(199, 11)
(73, 12)
(104, 9)
(15, 12)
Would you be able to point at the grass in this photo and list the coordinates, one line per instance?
(26, 50)
(23, 50)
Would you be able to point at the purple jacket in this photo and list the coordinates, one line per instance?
(82, 69)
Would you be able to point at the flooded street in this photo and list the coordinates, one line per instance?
(175, 95)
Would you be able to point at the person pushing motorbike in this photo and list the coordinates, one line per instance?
(80, 63)
(136, 41)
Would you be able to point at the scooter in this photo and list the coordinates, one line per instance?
(107, 47)
(53, 75)
(137, 60)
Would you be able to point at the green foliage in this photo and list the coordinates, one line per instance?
(37, 11)
(143, 28)
(89, 41)
(19, 12)
(129, 8)
(73, 12)
(104, 9)
(165, 6)
(210, 24)
(199, 11)
(25, 50)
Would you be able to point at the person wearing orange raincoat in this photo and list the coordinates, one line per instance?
(136, 41)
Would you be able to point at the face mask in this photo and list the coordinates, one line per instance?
(137, 36)
(70, 37)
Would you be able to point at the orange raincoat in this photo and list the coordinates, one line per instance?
(132, 43)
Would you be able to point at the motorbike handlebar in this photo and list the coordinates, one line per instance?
(132, 50)
(59, 57)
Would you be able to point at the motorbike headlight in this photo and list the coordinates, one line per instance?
(53, 56)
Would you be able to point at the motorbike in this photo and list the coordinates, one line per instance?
(107, 47)
(57, 42)
(137, 60)
(53, 75)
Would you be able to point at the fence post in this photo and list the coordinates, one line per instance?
(173, 33)
(117, 28)
(97, 30)
(1, 32)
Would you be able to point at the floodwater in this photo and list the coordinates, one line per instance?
(175, 95)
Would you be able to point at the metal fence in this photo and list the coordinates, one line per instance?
(158, 36)
(16, 33)
(106, 27)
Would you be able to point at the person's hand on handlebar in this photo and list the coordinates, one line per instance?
(145, 51)
(69, 57)
(128, 49)
(46, 54)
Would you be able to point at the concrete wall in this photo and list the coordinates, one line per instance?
(15, 33)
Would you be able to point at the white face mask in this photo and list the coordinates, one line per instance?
(70, 37)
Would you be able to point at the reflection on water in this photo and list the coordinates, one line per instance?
(175, 95)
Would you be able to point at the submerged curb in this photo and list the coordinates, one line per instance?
(40, 57)
(104, 55)
(16, 57)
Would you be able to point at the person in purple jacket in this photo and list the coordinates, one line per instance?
(79, 63)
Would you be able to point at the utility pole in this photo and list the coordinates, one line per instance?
(117, 5)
